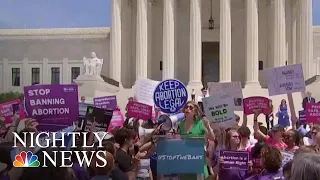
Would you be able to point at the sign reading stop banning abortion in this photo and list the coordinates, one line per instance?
(170, 96)
(256, 103)
(53, 106)
(219, 109)
(312, 113)
(139, 110)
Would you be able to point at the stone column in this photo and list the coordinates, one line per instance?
(6, 75)
(305, 37)
(66, 72)
(46, 73)
(195, 61)
(279, 34)
(142, 39)
(225, 41)
(252, 44)
(168, 40)
(25, 72)
(115, 53)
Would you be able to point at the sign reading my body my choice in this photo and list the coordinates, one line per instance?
(53, 106)
(170, 96)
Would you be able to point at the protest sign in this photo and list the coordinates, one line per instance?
(8, 109)
(219, 109)
(180, 156)
(100, 117)
(285, 79)
(313, 113)
(287, 156)
(139, 110)
(234, 89)
(302, 116)
(116, 121)
(83, 109)
(235, 160)
(53, 106)
(170, 96)
(256, 103)
(107, 102)
(144, 89)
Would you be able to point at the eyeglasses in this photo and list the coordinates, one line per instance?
(189, 107)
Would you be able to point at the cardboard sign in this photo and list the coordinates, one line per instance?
(313, 113)
(285, 79)
(54, 106)
(8, 109)
(219, 109)
(253, 103)
(170, 96)
(234, 89)
(139, 110)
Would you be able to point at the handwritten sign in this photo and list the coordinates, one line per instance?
(107, 102)
(256, 102)
(170, 96)
(219, 109)
(144, 90)
(235, 160)
(313, 113)
(139, 110)
(285, 79)
(53, 106)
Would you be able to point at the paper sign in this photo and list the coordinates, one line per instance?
(54, 106)
(100, 117)
(108, 102)
(219, 109)
(8, 109)
(170, 96)
(144, 89)
(234, 89)
(235, 160)
(117, 120)
(285, 79)
(313, 113)
(180, 156)
(139, 110)
(256, 103)
(287, 156)
(83, 109)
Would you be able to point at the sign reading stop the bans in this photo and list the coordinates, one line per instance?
(219, 109)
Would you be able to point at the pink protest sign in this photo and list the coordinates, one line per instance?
(312, 113)
(8, 109)
(139, 110)
(116, 121)
(253, 103)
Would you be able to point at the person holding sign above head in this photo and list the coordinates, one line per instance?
(195, 125)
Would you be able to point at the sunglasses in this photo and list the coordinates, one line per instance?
(236, 137)
(189, 107)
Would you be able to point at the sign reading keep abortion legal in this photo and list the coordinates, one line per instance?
(170, 96)
(53, 106)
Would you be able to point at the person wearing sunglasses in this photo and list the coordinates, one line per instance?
(195, 125)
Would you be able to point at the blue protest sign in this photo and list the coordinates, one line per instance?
(180, 156)
(170, 96)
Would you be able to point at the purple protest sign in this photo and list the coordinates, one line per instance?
(235, 159)
(107, 102)
(53, 106)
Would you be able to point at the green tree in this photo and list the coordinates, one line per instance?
(9, 96)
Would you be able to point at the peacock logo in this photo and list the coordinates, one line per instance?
(26, 159)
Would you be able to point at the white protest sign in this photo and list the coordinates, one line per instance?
(219, 109)
(234, 89)
(144, 89)
(285, 79)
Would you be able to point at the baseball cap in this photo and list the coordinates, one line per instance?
(277, 128)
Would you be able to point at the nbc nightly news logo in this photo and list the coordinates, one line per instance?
(49, 139)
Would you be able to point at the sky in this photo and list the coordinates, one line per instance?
(17, 14)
